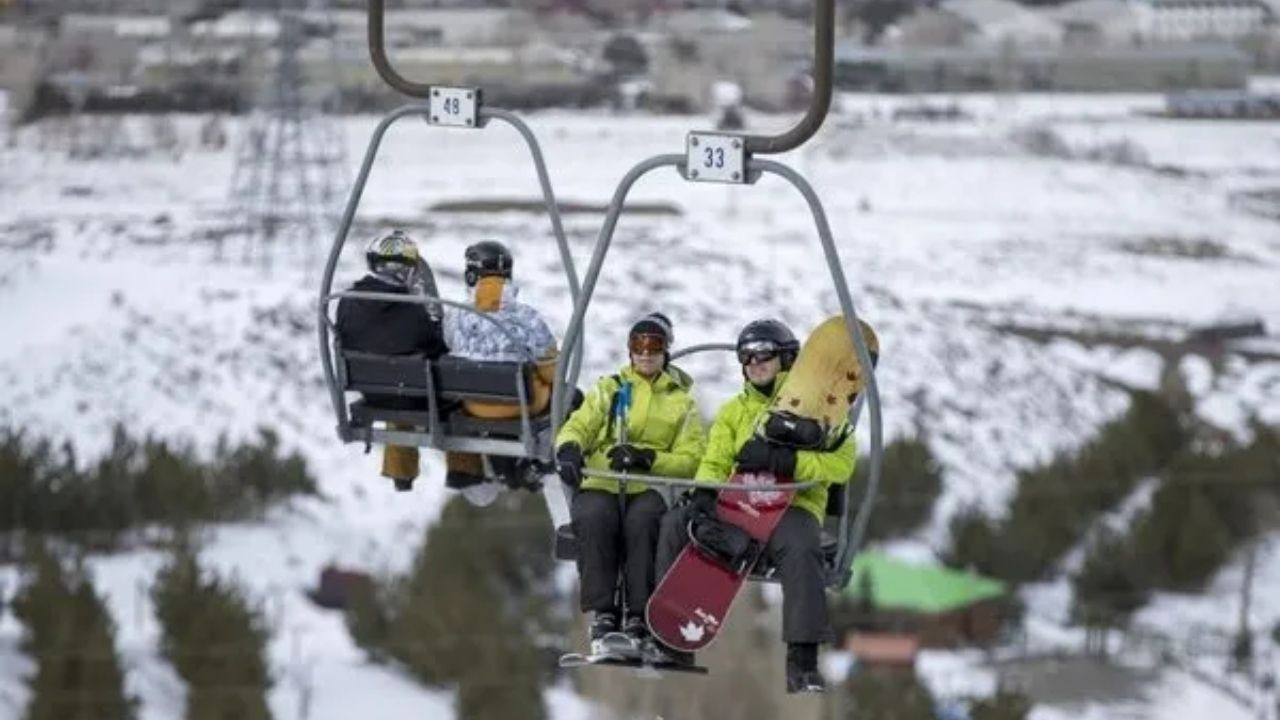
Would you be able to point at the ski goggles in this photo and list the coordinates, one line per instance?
(646, 344)
(757, 352)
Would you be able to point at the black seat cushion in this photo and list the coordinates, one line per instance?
(387, 376)
(484, 380)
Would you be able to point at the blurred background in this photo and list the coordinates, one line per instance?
(1061, 218)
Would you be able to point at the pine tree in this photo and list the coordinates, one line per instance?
(912, 481)
(215, 640)
(476, 609)
(71, 637)
(888, 696)
(1110, 585)
(1004, 705)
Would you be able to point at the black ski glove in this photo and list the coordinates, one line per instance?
(759, 455)
(569, 464)
(625, 458)
(703, 501)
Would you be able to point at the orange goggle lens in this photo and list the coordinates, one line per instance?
(647, 344)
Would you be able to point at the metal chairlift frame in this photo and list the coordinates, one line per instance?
(852, 529)
(434, 436)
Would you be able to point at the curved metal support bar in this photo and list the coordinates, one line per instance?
(572, 334)
(704, 347)
(823, 63)
(378, 54)
(553, 211)
(427, 300)
(695, 484)
(573, 350)
(854, 534)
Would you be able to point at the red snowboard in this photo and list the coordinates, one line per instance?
(693, 599)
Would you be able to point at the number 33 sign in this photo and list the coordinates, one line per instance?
(715, 158)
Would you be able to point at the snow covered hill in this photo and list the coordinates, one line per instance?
(118, 308)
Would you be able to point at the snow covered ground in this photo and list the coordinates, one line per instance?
(118, 308)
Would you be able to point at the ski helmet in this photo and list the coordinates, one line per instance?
(768, 336)
(393, 257)
(488, 257)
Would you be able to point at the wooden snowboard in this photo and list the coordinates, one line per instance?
(826, 376)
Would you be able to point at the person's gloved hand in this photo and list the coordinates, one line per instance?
(627, 458)
(569, 464)
(703, 501)
(759, 455)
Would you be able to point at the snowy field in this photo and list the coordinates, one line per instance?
(118, 308)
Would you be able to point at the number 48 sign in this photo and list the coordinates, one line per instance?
(715, 158)
(453, 106)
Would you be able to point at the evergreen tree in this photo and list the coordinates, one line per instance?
(1110, 585)
(911, 482)
(215, 639)
(71, 637)
(476, 609)
(888, 695)
(1004, 705)
(1055, 504)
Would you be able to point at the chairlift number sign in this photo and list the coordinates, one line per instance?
(453, 106)
(715, 158)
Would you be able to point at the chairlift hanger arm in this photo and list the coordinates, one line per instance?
(820, 102)
(382, 63)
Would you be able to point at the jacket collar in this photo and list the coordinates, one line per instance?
(672, 378)
(510, 291)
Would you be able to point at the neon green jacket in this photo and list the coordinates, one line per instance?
(736, 423)
(663, 417)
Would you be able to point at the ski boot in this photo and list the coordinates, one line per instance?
(655, 653)
(802, 669)
(603, 624)
(474, 488)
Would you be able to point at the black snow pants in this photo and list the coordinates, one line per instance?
(605, 537)
(795, 548)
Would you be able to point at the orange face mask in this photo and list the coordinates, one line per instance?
(489, 293)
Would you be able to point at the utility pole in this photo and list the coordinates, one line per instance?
(291, 161)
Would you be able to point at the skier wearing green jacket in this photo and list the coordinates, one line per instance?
(663, 436)
(766, 350)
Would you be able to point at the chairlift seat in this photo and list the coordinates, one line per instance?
(397, 389)
(500, 382)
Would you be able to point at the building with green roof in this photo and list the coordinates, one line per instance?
(941, 606)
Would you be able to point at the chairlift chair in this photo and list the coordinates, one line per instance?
(434, 389)
(730, 158)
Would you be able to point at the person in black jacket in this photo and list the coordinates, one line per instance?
(394, 328)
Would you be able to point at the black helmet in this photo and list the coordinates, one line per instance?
(488, 257)
(765, 336)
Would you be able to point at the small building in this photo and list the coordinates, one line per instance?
(884, 651)
(1183, 20)
(1160, 68)
(764, 54)
(1091, 23)
(937, 606)
(976, 23)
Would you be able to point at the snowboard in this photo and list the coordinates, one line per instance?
(826, 377)
(691, 602)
